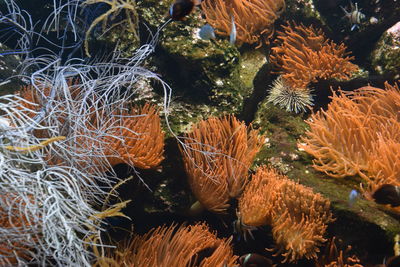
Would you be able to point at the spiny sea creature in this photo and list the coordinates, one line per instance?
(289, 98)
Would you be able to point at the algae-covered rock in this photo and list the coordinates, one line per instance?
(302, 10)
(201, 71)
(386, 56)
(251, 62)
(8, 68)
(207, 77)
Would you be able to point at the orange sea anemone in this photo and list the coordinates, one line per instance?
(176, 246)
(259, 197)
(298, 216)
(141, 141)
(299, 221)
(303, 54)
(134, 138)
(359, 133)
(333, 257)
(217, 154)
(254, 19)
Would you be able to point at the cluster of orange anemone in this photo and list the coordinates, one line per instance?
(298, 216)
(358, 135)
(303, 55)
(218, 153)
(136, 138)
(192, 245)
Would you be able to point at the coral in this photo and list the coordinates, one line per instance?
(34, 97)
(53, 184)
(358, 134)
(44, 210)
(177, 246)
(298, 216)
(217, 155)
(253, 18)
(141, 142)
(304, 54)
(285, 96)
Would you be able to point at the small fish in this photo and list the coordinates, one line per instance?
(241, 229)
(387, 194)
(353, 197)
(254, 260)
(232, 35)
(207, 32)
(354, 16)
(181, 8)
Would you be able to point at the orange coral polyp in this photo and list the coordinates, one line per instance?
(299, 221)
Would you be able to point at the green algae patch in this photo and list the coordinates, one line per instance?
(282, 130)
(251, 62)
